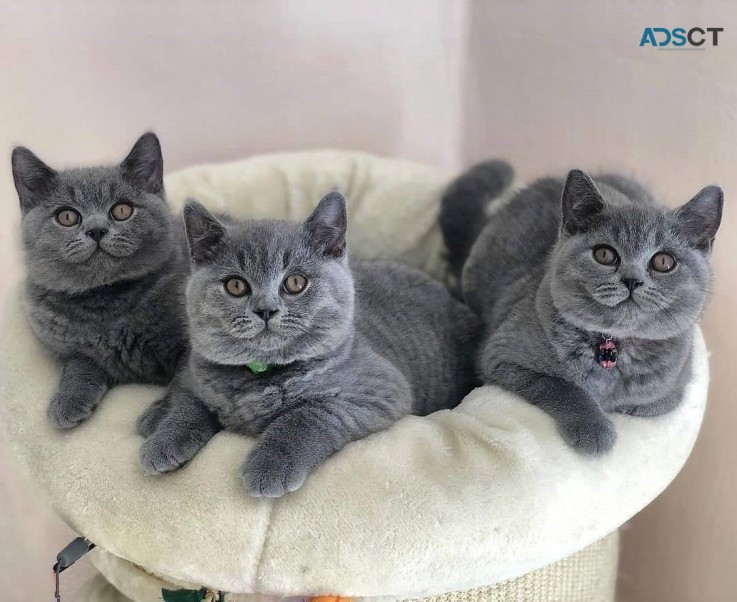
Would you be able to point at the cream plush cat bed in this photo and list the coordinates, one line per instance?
(458, 500)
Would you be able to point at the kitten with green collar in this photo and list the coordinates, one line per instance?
(293, 345)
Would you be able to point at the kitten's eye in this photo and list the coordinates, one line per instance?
(67, 217)
(121, 211)
(605, 255)
(663, 262)
(236, 287)
(295, 283)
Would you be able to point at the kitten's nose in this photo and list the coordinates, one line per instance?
(632, 283)
(265, 314)
(96, 233)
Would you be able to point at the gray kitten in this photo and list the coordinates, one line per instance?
(291, 344)
(590, 292)
(106, 269)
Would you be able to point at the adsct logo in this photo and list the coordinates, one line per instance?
(680, 38)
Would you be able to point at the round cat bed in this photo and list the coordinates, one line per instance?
(458, 500)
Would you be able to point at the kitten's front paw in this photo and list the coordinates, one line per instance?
(66, 409)
(149, 421)
(589, 435)
(166, 451)
(272, 474)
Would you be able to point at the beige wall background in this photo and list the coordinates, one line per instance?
(547, 85)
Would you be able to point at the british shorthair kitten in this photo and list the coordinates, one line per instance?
(106, 268)
(589, 291)
(294, 346)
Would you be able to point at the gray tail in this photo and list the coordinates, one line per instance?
(463, 207)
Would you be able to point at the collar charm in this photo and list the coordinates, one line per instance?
(258, 367)
(606, 354)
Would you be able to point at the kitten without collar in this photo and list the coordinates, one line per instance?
(106, 267)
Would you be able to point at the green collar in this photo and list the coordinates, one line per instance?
(259, 367)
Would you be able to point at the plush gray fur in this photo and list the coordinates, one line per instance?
(547, 304)
(105, 297)
(358, 349)
(462, 220)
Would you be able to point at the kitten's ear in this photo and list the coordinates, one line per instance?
(327, 225)
(32, 177)
(204, 232)
(144, 165)
(581, 201)
(699, 219)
